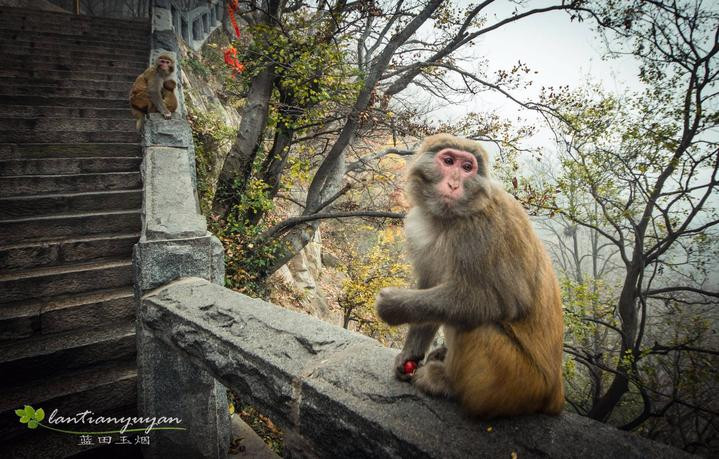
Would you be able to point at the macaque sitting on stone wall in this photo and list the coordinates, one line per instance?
(154, 90)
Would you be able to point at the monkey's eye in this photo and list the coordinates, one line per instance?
(448, 160)
(467, 167)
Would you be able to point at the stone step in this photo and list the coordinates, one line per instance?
(25, 111)
(85, 28)
(23, 47)
(95, 28)
(61, 34)
(46, 37)
(62, 63)
(24, 185)
(105, 389)
(123, 86)
(68, 166)
(60, 280)
(67, 124)
(29, 255)
(68, 203)
(67, 57)
(55, 17)
(33, 229)
(69, 150)
(75, 102)
(23, 136)
(50, 91)
(42, 355)
(69, 74)
(73, 55)
(62, 313)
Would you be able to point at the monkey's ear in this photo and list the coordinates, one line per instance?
(482, 160)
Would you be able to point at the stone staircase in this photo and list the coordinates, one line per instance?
(70, 197)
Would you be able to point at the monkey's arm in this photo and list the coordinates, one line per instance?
(445, 303)
(418, 340)
(155, 92)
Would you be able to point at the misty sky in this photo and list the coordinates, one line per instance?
(563, 52)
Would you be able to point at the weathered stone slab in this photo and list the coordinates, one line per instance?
(170, 205)
(168, 384)
(174, 132)
(158, 262)
(333, 393)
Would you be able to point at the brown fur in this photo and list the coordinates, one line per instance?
(484, 275)
(153, 91)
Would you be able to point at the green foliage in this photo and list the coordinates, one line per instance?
(209, 133)
(369, 271)
(313, 76)
(197, 66)
(246, 261)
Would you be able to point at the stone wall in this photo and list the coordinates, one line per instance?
(333, 393)
(174, 242)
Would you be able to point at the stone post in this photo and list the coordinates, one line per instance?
(175, 243)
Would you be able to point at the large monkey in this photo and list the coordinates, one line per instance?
(483, 275)
(154, 90)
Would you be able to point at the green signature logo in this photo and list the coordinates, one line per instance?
(30, 416)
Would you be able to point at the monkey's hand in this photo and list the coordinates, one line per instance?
(167, 115)
(399, 362)
(389, 306)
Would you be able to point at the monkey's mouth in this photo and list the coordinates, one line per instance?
(449, 201)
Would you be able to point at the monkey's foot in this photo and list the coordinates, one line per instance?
(432, 379)
(438, 354)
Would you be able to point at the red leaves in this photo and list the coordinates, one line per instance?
(231, 53)
(232, 61)
(231, 8)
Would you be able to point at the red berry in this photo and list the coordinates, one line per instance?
(409, 367)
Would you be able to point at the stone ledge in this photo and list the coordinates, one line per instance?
(170, 206)
(333, 393)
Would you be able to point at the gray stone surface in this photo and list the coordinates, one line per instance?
(170, 205)
(174, 243)
(168, 384)
(174, 132)
(333, 393)
(166, 39)
(158, 262)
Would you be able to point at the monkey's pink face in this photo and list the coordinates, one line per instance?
(455, 167)
(164, 64)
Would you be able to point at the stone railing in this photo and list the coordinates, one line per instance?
(175, 243)
(194, 25)
(330, 390)
(333, 393)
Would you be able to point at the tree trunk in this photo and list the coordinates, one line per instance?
(604, 406)
(237, 168)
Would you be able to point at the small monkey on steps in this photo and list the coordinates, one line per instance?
(154, 90)
(484, 275)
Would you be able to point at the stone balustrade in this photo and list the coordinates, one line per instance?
(333, 393)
